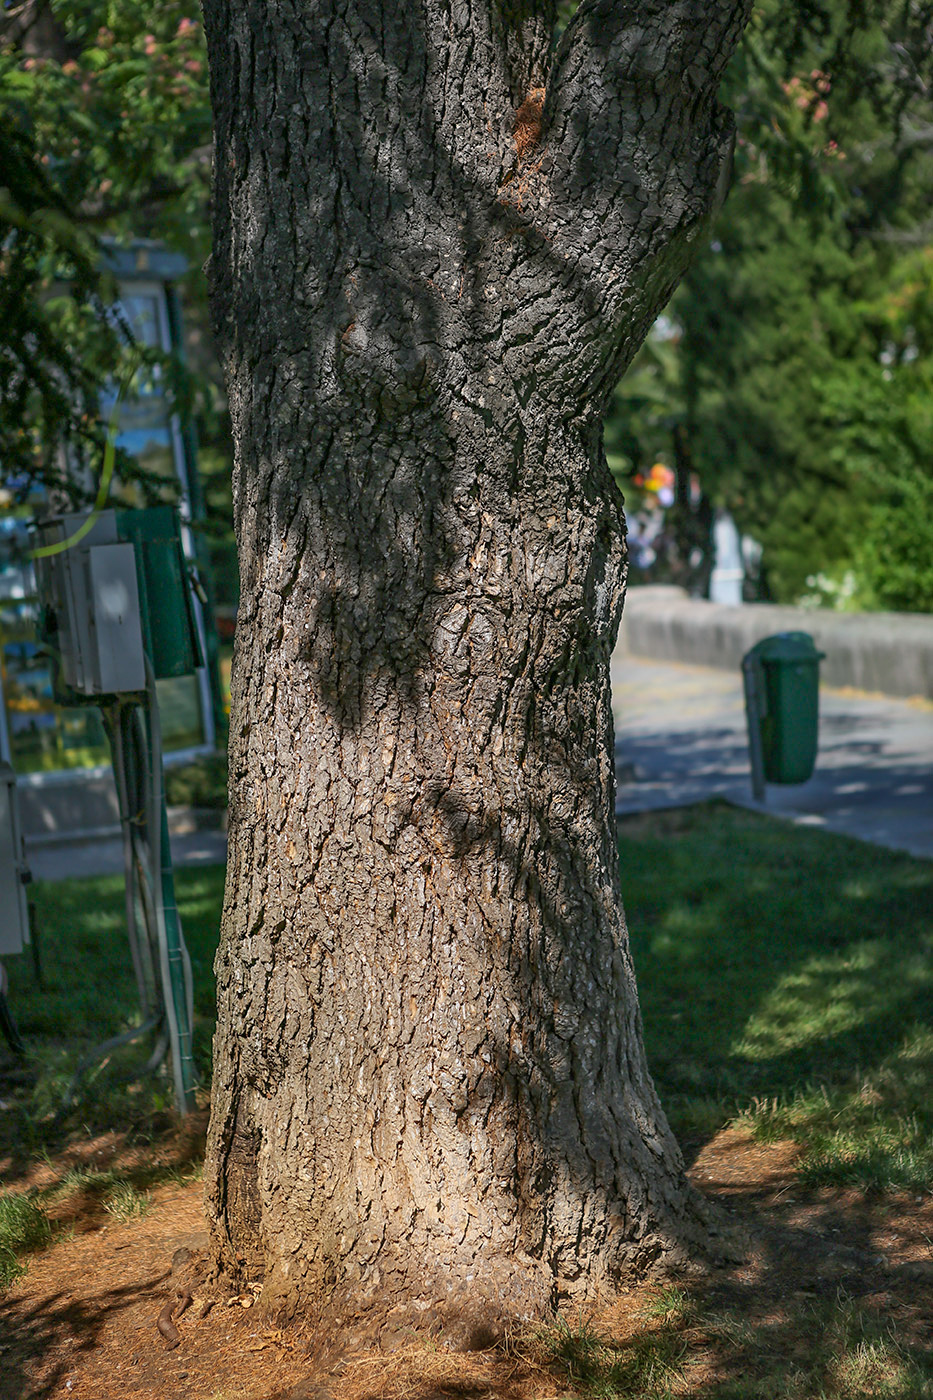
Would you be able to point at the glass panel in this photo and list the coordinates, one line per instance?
(154, 448)
(180, 712)
(142, 312)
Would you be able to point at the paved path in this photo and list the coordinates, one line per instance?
(682, 728)
(68, 860)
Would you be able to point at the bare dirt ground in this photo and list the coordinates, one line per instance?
(83, 1321)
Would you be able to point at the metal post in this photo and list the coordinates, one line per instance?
(755, 710)
(5, 753)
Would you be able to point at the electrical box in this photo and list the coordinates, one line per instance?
(91, 596)
(116, 642)
(14, 923)
(169, 630)
(115, 593)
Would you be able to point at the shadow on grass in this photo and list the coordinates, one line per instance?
(726, 1346)
(786, 975)
(89, 995)
(814, 1312)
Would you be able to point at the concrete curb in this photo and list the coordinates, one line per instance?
(890, 653)
(182, 821)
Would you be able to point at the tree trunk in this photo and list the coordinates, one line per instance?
(437, 244)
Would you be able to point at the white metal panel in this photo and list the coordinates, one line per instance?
(73, 596)
(115, 625)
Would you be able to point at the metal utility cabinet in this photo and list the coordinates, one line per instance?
(117, 617)
(113, 595)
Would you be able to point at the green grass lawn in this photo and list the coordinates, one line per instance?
(786, 984)
(786, 981)
(90, 995)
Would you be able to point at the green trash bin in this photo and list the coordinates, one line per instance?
(782, 683)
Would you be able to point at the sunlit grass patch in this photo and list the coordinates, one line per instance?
(89, 1180)
(120, 1198)
(646, 1365)
(671, 1305)
(786, 985)
(125, 1202)
(123, 1196)
(873, 1130)
(877, 1371)
(24, 1227)
(864, 1357)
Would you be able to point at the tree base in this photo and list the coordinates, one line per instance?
(472, 1306)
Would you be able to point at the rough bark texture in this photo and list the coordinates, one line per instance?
(439, 240)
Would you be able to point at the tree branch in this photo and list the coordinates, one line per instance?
(636, 147)
(33, 28)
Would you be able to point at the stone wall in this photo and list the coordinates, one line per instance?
(887, 652)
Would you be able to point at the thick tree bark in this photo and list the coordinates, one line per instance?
(438, 243)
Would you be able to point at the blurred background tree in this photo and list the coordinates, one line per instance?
(788, 381)
(790, 375)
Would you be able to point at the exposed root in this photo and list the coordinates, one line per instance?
(187, 1269)
(165, 1324)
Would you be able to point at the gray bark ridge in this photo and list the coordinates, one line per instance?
(438, 241)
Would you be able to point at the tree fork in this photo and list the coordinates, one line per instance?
(437, 244)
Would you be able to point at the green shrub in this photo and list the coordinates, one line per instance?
(895, 556)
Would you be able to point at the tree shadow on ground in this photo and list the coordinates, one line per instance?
(770, 960)
(680, 755)
(813, 1310)
(57, 1332)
